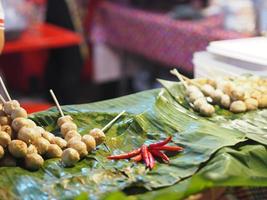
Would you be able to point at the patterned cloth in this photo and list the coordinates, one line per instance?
(155, 35)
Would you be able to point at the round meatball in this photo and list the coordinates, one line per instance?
(72, 134)
(5, 120)
(195, 95)
(225, 101)
(62, 120)
(49, 136)
(60, 142)
(98, 135)
(89, 141)
(78, 146)
(238, 107)
(217, 96)
(263, 101)
(20, 122)
(33, 161)
(206, 110)
(7, 129)
(19, 112)
(198, 103)
(28, 135)
(53, 151)
(207, 90)
(237, 94)
(41, 145)
(4, 139)
(70, 157)
(66, 127)
(32, 149)
(17, 148)
(9, 106)
(252, 104)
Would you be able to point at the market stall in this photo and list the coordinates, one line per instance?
(224, 149)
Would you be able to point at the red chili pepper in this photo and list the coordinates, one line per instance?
(144, 152)
(168, 148)
(162, 143)
(161, 155)
(137, 158)
(151, 160)
(125, 155)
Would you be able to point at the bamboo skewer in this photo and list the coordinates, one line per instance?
(109, 125)
(112, 121)
(4, 88)
(2, 99)
(183, 78)
(56, 102)
(179, 76)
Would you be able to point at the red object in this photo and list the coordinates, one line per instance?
(162, 143)
(151, 160)
(32, 107)
(137, 158)
(145, 156)
(161, 155)
(42, 37)
(28, 55)
(168, 148)
(125, 155)
(147, 153)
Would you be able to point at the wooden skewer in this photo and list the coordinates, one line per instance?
(179, 76)
(2, 99)
(56, 102)
(4, 88)
(182, 78)
(109, 125)
(112, 121)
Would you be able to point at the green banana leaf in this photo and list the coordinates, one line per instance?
(230, 167)
(151, 116)
(253, 123)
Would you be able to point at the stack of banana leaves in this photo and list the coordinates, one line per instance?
(226, 150)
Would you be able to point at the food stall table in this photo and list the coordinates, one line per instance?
(28, 53)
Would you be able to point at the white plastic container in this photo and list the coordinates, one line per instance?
(233, 57)
(211, 65)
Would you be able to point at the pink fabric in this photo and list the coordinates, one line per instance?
(154, 35)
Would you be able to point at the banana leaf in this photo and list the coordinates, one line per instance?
(230, 167)
(151, 116)
(253, 123)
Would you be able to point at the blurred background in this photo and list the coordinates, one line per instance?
(90, 50)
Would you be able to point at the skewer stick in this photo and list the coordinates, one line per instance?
(2, 99)
(109, 125)
(191, 81)
(182, 78)
(56, 102)
(4, 88)
(179, 76)
(112, 121)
